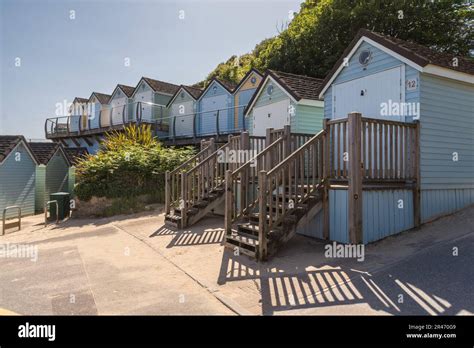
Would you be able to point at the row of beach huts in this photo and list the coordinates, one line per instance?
(385, 79)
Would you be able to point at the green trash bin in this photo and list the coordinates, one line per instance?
(63, 205)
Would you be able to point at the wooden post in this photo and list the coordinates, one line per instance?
(228, 203)
(325, 172)
(245, 145)
(194, 125)
(212, 145)
(167, 192)
(262, 211)
(416, 190)
(245, 140)
(287, 141)
(355, 178)
(268, 141)
(183, 203)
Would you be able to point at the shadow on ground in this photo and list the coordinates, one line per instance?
(306, 286)
(191, 237)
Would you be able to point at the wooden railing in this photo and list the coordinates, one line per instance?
(193, 180)
(242, 186)
(288, 184)
(242, 183)
(207, 175)
(257, 143)
(365, 151)
(388, 149)
(173, 179)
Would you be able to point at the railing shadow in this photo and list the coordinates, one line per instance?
(191, 237)
(297, 288)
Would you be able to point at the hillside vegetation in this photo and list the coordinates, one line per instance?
(318, 34)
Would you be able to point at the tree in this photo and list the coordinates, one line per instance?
(319, 33)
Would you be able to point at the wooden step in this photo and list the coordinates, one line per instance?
(245, 243)
(217, 190)
(190, 211)
(243, 240)
(248, 228)
(255, 217)
(250, 253)
(173, 220)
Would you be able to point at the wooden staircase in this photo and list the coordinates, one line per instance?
(196, 188)
(266, 199)
(211, 201)
(264, 209)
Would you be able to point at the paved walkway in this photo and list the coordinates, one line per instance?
(135, 265)
(96, 269)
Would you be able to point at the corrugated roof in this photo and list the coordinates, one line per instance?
(160, 86)
(103, 98)
(195, 92)
(128, 90)
(80, 100)
(299, 86)
(74, 154)
(420, 54)
(43, 151)
(230, 86)
(8, 143)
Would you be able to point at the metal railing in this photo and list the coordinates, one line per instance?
(46, 206)
(209, 122)
(5, 225)
(108, 118)
(198, 124)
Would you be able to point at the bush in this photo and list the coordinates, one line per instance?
(128, 164)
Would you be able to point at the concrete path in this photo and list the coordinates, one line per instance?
(135, 265)
(95, 269)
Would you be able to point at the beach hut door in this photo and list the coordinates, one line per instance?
(274, 115)
(377, 95)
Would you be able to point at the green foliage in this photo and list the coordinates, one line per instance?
(317, 36)
(128, 164)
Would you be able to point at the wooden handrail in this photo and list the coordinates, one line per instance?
(173, 179)
(397, 123)
(206, 176)
(292, 182)
(243, 181)
(386, 149)
(207, 159)
(258, 156)
(195, 157)
(296, 153)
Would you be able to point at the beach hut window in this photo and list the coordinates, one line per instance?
(364, 57)
(270, 90)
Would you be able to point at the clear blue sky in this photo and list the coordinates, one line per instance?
(62, 58)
